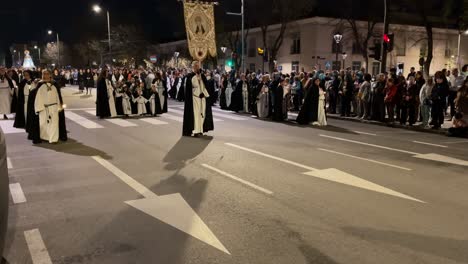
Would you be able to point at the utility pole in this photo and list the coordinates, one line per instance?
(383, 51)
(242, 32)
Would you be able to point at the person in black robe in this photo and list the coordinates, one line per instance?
(20, 120)
(12, 78)
(189, 119)
(222, 97)
(163, 91)
(253, 93)
(173, 92)
(32, 123)
(278, 104)
(210, 86)
(102, 98)
(181, 92)
(236, 97)
(309, 110)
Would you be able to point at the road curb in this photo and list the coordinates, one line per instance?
(442, 131)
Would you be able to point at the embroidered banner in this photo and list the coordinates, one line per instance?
(200, 27)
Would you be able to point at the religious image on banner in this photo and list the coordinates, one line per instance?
(200, 27)
(28, 63)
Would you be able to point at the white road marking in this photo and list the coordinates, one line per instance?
(370, 145)
(442, 158)
(172, 117)
(430, 156)
(272, 157)
(154, 121)
(293, 114)
(7, 127)
(232, 117)
(82, 121)
(370, 160)
(171, 209)
(37, 248)
(139, 188)
(254, 186)
(335, 175)
(338, 176)
(430, 144)
(10, 165)
(365, 133)
(121, 122)
(182, 113)
(17, 193)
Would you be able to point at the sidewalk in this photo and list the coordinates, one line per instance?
(416, 127)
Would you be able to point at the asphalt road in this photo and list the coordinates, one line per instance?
(254, 192)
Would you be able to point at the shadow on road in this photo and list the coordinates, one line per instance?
(186, 149)
(74, 147)
(311, 254)
(134, 237)
(449, 248)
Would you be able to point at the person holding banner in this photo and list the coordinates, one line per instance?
(198, 117)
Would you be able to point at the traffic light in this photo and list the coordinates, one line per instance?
(261, 51)
(375, 51)
(388, 40)
(230, 63)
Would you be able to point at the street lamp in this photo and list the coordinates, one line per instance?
(39, 50)
(337, 37)
(97, 9)
(176, 56)
(344, 56)
(50, 32)
(242, 14)
(224, 49)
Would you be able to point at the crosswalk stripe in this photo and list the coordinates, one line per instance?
(7, 127)
(121, 122)
(172, 117)
(37, 248)
(17, 193)
(10, 165)
(153, 121)
(182, 113)
(84, 122)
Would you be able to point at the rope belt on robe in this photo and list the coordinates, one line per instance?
(47, 111)
(201, 96)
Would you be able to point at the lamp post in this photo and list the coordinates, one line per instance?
(337, 37)
(242, 14)
(13, 58)
(97, 9)
(50, 32)
(39, 50)
(224, 49)
(176, 56)
(344, 56)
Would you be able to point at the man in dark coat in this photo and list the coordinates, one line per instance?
(20, 120)
(102, 98)
(198, 119)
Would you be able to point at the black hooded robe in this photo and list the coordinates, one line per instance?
(20, 121)
(278, 114)
(309, 110)
(14, 99)
(237, 103)
(181, 93)
(188, 124)
(32, 125)
(102, 99)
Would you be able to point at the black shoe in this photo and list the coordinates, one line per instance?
(5, 117)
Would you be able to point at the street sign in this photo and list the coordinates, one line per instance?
(153, 58)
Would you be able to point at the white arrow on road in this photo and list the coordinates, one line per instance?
(171, 209)
(334, 175)
(430, 156)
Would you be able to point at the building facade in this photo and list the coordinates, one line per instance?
(309, 44)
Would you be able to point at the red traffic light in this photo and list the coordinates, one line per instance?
(386, 38)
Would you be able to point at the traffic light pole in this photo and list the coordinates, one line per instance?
(383, 52)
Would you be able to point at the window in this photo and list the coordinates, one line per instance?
(400, 46)
(296, 44)
(336, 65)
(252, 67)
(356, 49)
(356, 65)
(423, 50)
(295, 66)
(375, 68)
(252, 52)
(336, 47)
